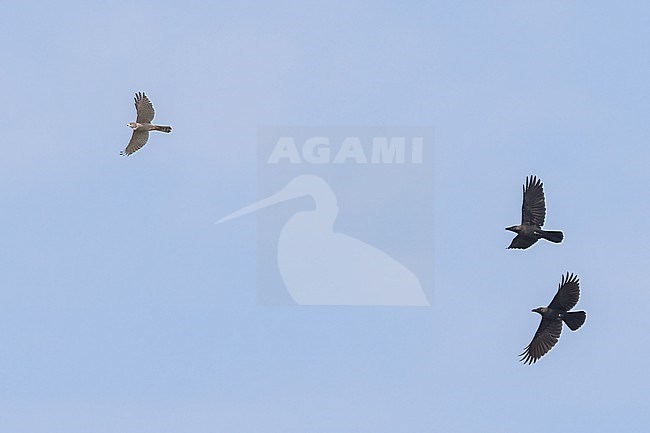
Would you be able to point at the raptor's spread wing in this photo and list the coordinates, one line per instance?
(143, 108)
(138, 139)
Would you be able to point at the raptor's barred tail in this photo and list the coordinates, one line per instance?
(552, 236)
(163, 128)
(575, 319)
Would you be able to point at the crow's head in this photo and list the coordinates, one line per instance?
(513, 229)
(539, 310)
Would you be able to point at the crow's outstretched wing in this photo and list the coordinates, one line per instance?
(522, 242)
(533, 208)
(545, 338)
(567, 294)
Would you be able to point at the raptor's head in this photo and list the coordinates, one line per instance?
(132, 125)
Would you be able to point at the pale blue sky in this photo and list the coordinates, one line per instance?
(123, 307)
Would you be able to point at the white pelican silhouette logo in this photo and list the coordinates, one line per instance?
(322, 267)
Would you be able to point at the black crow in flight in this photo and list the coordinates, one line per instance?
(552, 317)
(533, 212)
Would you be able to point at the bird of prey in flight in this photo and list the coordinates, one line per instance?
(142, 125)
(533, 213)
(557, 312)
